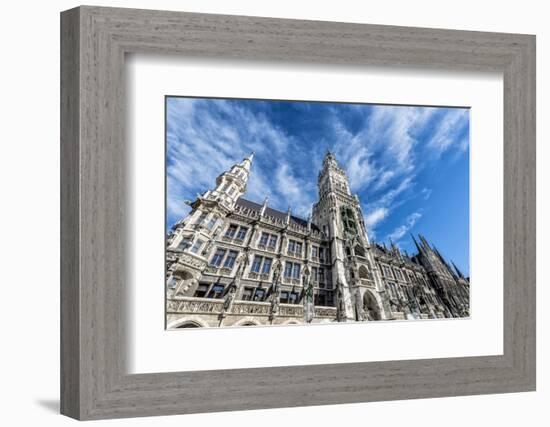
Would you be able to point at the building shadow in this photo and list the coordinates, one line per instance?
(51, 405)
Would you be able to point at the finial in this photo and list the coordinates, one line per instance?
(288, 215)
(264, 206)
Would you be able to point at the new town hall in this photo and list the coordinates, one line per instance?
(234, 262)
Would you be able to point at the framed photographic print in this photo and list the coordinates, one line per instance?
(235, 187)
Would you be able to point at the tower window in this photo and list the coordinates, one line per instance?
(231, 231)
(294, 247)
(201, 218)
(247, 294)
(288, 269)
(315, 252)
(259, 295)
(212, 223)
(230, 259)
(197, 246)
(284, 297)
(296, 271)
(322, 254)
(321, 275)
(387, 271)
(256, 264)
(272, 241)
(184, 243)
(264, 238)
(216, 291)
(242, 233)
(291, 245)
(218, 257)
(261, 264)
(172, 282)
(201, 290)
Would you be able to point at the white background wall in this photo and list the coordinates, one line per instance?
(29, 234)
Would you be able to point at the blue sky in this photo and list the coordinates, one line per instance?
(409, 165)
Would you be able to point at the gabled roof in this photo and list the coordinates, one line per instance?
(273, 213)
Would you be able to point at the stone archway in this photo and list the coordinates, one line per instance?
(371, 307)
(247, 321)
(188, 325)
(187, 322)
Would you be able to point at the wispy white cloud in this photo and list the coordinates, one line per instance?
(409, 223)
(426, 193)
(204, 138)
(382, 157)
(373, 218)
(383, 152)
(448, 130)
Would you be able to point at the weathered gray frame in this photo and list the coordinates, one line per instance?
(94, 42)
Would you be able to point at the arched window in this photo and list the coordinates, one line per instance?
(363, 272)
(359, 251)
(189, 325)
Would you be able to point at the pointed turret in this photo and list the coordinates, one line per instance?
(231, 184)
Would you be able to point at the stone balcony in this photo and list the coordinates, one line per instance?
(209, 306)
(194, 305)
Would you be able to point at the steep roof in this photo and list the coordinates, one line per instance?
(273, 213)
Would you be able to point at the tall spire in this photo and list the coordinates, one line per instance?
(247, 161)
(424, 242)
(457, 270)
(416, 243)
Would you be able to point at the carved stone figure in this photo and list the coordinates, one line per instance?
(277, 272)
(341, 303)
(229, 298)
(242, 262)
(359, 310)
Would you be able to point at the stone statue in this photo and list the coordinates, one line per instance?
(229, 298)
(359, 310)
(277, 272)
(242, 262)
(309, 307)
(341, 307)
(275, 297)
(274, 308)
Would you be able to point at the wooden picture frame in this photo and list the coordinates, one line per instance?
(94, 41)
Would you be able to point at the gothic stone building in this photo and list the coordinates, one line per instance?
(234, 262)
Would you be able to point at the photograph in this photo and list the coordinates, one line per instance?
(286, 212)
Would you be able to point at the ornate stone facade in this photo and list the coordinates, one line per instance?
(234, 262)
